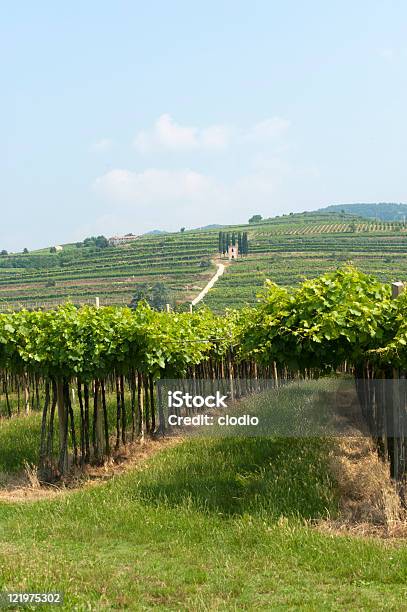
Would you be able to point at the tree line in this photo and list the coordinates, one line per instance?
(227, 239)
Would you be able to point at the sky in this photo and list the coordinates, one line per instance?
(127, 116)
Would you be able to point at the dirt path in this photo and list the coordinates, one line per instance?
(215, 277)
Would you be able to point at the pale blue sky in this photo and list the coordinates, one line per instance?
(126, 116)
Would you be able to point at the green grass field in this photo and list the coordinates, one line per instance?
(208, 524)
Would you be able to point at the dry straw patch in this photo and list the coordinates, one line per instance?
(370, 502)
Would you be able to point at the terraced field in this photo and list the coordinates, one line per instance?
(287, 259)
(182, 262)
(284, 249)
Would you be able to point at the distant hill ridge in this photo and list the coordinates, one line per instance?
(385, 211)
(204, 228)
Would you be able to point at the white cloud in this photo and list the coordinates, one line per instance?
(173, 189)
(102, 145)
(167, 135)
(152, 186)
(175, 198)
(167, 199)
(268, 130)
(216, 137)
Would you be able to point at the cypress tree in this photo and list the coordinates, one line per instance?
(223, 243)
(233, 239)
(239, 242)
(245, 244)
(220, 242)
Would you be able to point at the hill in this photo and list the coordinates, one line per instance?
(284, 249)
(181, 261)
(155, 232)
(385, 211)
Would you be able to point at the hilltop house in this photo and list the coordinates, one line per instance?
(118, 240)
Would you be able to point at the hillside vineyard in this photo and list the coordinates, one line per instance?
(284, 249)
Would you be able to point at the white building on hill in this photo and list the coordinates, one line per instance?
(117, 240)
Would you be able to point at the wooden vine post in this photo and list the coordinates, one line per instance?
(98, 435)
(396, 290)
(26, 394)
(231, 374)
(63, 428)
